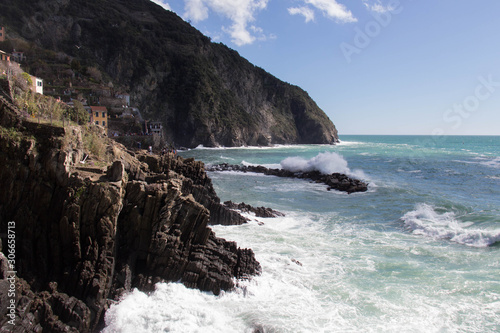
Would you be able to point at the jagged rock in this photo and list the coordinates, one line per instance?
(197, 183)
(116, 171)
(335, 181)
(258, 211)
(87, 239)
(39, 311)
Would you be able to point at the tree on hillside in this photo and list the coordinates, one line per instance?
(94, 74)
(78, 113)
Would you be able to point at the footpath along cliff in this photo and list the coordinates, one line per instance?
(87, 234)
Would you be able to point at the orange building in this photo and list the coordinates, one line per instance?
(2, 34)
(4, 56)
(99, 116)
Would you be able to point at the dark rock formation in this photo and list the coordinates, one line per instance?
(335, 181)
(258, 211)
(86, 235)
(198, 184)
(203, 92)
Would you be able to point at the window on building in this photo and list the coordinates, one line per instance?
(104, 114)
(97, 114)
(103, 123)
(39, 83)
(97, 122)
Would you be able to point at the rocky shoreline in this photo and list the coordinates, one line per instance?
(85, 235)
(258, 211)
(334, 181)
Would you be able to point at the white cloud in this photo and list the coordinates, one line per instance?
(162, 3)
(215, 36)
(196, 10)
(377, 6)
(307, 12)
(240, 12)
(239, 34)
(333, 10)
(260, 35)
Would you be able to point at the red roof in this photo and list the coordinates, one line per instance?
(99, 108)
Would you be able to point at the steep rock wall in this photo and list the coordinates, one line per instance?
(84, 238)
(203, 92)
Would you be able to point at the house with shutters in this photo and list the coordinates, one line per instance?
(7, 67)
(36, 84)
(18, 56)
(4, 56)
(99, 115)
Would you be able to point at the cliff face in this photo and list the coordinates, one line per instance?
(85, 235)
(204, 93)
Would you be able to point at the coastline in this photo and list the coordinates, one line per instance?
(86, 235)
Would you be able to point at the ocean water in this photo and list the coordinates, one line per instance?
(418, 252)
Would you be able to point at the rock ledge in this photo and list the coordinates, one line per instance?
(334, 181)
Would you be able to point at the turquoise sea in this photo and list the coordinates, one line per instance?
(418, 252)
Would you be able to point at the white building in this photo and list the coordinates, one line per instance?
(37, 84)
(125, 97)
(155, 127)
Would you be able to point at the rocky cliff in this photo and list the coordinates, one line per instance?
(84, 234)
(203, 92)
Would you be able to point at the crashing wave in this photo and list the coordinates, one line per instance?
(425, 220)
(326, 163)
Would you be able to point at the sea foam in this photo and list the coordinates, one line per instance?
(486, 161)
(426, 220)
(171, 308)
(326, 163)
(494, 163)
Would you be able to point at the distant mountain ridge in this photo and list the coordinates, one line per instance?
(203, 92)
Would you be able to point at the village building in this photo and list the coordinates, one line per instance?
(155, 127)
(7, 67)
(18, 56)
(2, 34)
(36, 84)
(125, 98)
(4, 56)
(99, 115)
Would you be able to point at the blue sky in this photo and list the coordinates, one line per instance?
(429, 67)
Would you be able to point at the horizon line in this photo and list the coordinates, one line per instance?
(426, 134)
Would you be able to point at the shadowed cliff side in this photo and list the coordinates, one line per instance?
(203, 92)
(87, 234)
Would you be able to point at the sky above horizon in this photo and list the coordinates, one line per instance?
(374, 66)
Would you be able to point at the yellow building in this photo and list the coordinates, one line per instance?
(4, 56)
(99, 116)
